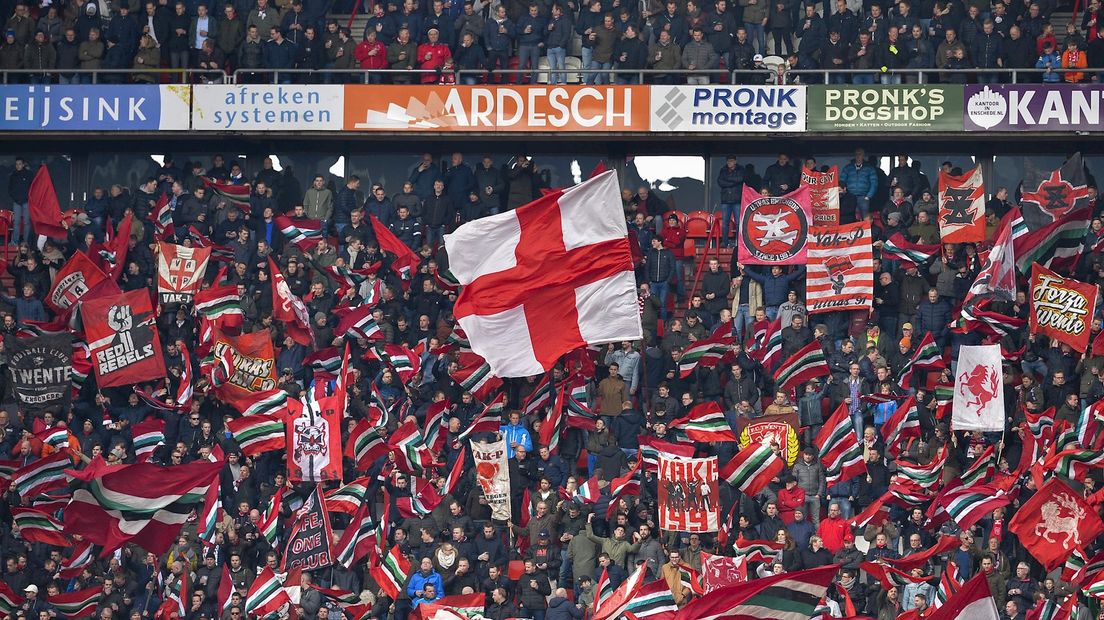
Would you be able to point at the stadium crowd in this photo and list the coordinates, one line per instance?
(636, 389)
(439, 37)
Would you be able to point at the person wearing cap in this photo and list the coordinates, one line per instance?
(32, 604)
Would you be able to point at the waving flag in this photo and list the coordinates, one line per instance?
(616, 604)
(475, 376)
(807, 364)
(1055, 521)
(405, 261)
(220, 305)
(1056, 246)
(392, 572)
(304, 233)
(978, 400)
(365, 445)
(782, 597)
(258, 433)
(972, 601)
(774, 230)
(45, 474)
(840, 452)
(1061, 308)
(289, 309)
(148, 435)
(705, 422)
(38, 526)
(78, 603)
(909, 254)
(1048, 196)
(706, 352)
(903, 424)
(752, 469)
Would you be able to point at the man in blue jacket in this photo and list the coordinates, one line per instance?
(516, 435)
(426, 575)
(776, 286)
(861, 181)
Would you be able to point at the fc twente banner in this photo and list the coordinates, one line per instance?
(1061, 308)
(492, 472)
(840, 274)
(774, 230)
(122, 336)
(979, 390)
(254, 367)
(310, 545)
(72, 281)
(40, 370)
(962, 207)
(314, 437)
(688, 500)
(823, 195)
(780, 429)
(180, 271)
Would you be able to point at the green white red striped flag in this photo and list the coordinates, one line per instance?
(705, 422)
(221, 305)
(38, 526)
(654, 600)
(757, 550)
(79, 603)
(365, 445)
(840, 452)
(266, 594)
(303, 232)
(706, 352)
(45, 474)
(348, 498)
(908, 253)
(752, 469)
(358, 539)
(258, 433)
(391, 572)
(807, 364)
(9, 600)
(269, 524)
(789, 596)
(475, 376)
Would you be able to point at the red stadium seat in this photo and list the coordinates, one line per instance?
(698, 225)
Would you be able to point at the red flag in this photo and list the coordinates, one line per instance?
(289, 309)
(45, 210)
(962, 207)
(1061, 308)
(1054, 522)
(789, 595)
(405, 261)
(973, 600)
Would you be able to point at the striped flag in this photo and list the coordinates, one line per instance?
(407, 443)
(358, 323)
(925, 476)
(540, 397)
(889, 576)
(927, 355)
(358, 539)
(303, 232)
(221, 305)
(45, 474)
(705, 422)
(1056, 246)
(184, 392)
(348, 498)
(391, 572)
(235, 195)
(209, 516)
(770, 354)
(365, 445)
(903, 424)
(752, 469)
(757, 550)
(807, 364)
(474, 375)
(973, 600)
(225, 590)
(396, 356)
(489, 420)
(269, 524)
(324, 363)
(982, 468)
(79, 603)
(56, 437)
(706, 352)
(654, 600)
(840, 452)
(908, 253)
(344, 598)
(266, 594)
(268, 402)
(1074, 463)
(840, 272)
(148, 435)
(258, 433)
(966, 505)
(9, 600)
(38, 526)
(81, 556)
(421, 502)
(587, 492)
(1053, 609)
(161, 218)
(781, 597)
(219, 253)
(651, 447)
(615, 605)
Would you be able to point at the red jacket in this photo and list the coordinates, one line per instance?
(379, 61)
(432, 57)
(832, 531)
(673, 239)
(790, 500)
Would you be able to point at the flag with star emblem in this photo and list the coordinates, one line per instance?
(1049, 196)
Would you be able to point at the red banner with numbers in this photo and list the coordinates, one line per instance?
(688, 500)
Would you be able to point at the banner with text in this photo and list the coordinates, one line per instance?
(40, 369)
(1034, 107)
(267, 107)
(180, 271)
(122, 336)
(1061, 308)
(503, 108)
(884, 109)
(688, 499)
(94, 107)
(840, 274)
(492, 473)
(737, 109)
(824, 194)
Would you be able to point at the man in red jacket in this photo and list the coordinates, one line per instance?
(833, 529)
(674, 238)
(433, 55)
(371, 53)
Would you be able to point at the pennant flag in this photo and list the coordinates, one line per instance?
(143, 503)
(780, 597)
(45, 212)
(774, 229)
(908, 253)
(961, 207)
(840, 273)
(1062, 309)
(706, 423)
(258, 433)
(806, 364)
(1046, 197)
(840, 452)
(752, 469)
(1055, 521)
(38, 526)
(574, 289)
(978, 396)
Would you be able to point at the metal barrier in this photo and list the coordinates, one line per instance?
(484, 76)
(924, 76)
(185, 76)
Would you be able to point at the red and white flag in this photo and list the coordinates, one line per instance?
(973, 600)
(841, 268)
(962, 207)
(180, 271)
(979, 390)
(1055, 521)
(547, 278)
(289, 309)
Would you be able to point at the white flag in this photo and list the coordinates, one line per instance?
(979, 390)
(492, 472)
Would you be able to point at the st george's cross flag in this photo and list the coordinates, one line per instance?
(547, 278)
